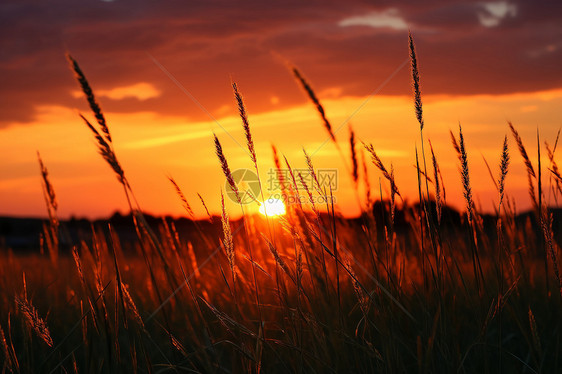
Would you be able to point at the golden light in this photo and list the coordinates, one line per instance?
(272, 208)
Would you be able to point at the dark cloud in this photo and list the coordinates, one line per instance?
(204, 43)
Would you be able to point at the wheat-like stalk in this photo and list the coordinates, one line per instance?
(291, 174)
(228, 242)
(106, 151)
(312, 172)
(353, 151)
(378, 163)
(422, 174)
(554, 166)
(205, 207)
(392, 194)
(546, 225)
(455, 144)
(522, 150)
(51, 231)
(438, 201)
(49, 190)
(556, 140)
(89, 93)
(186, 205)
(276, 158)
(357, 288)
(557, 174)
(245, 123)
(443, 190)
(105, 143)
(465, 177)
(226, 169)
(278, 259)
(550, 154)
(534, 331)
(34, 321)
(529, 166)
(310, 92)
(50, 198)
(298, 265)
(130, 304)
(504, 165)
(279, 171)
(415, 80)
(309, 193)
(78, 264)
(366, 181)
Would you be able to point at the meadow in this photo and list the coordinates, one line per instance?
(415, 288)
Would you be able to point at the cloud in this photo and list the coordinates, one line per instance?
(140, 91)
(206, 44)
(388, 18)
(495, 12)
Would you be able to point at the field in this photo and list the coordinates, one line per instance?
(416, 288)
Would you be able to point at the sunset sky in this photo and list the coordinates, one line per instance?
(162, 72)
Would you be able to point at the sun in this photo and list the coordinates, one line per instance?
(272, 208)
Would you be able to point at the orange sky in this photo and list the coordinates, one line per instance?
(503, 64)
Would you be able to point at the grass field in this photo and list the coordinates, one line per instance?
(405, 287)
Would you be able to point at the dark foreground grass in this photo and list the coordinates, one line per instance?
(395, 315)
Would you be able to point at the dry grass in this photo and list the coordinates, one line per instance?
(504, 165)
(245, 123)
(530, 170)
(353, 152)
(226, 168)
(312, 96)
(33, 320)
(392, 291)
(415, 81)
(182, 197)
(437, 184)
(378, 163)
(465, 177)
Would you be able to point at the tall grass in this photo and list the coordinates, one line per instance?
(393, 291)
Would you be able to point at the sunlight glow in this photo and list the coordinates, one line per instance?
(272, 208)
